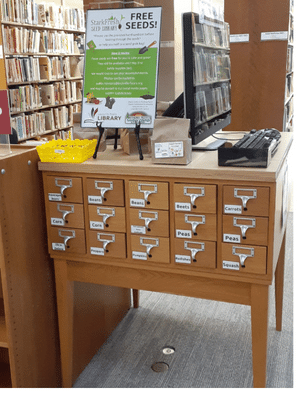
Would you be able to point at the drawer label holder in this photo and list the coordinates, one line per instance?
(194, 248)
(149, 243)
(65, 209)
(180, 258)
(148, 216)
(147, 189)
(239, 194)
(243, 226)
(193, 193)
(190, 219)
(105, 213)
(243, 253)
(66, 235)
(106, 238)
(103, 186)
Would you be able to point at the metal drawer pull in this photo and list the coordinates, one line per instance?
(194, 250)
(245, 198)
(145, 216)
(193, 222)
(66, 235)
(70, 210)
(103, 189)
(194, 195)
(244, 227)
(149, 246)
(105, 239)
(148, 189)
(63, 184)
(107, 213)
(242, 256)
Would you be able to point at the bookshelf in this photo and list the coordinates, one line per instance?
(262, 64)
(43, 52)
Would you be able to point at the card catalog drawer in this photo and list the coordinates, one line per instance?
(107, 244)
(247, 230)
(246, 200)
(66, 215)
(196, 226)
(243, 258)
(105, 191)
(154, 195)
(197, 253)
(63, 240)
(154, 249)
(64, 189)
(149, 222)
(110, 219)
(195, 198)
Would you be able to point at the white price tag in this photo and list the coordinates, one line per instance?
(181, 233)
(229, 238)
(137, 203)
(182, 206)
(58, 246)
(94, 199)
(138, 229)
(232, 209)
(57, 222)
(280, 35)
(239, 38)
(96, 225)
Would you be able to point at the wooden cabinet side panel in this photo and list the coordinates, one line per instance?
(28, 276)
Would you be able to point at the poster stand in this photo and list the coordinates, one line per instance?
(137, 136)
(101, 131)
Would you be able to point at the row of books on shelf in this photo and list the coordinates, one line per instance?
(212, 34)
(289, 86)
(39, 123)
(20, 40)
(29, 69)
(29, 97)
(44, 14)
(213, 102)
(210, 66)
(290, 59)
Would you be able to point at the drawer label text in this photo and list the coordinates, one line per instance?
(97, 251)
(96, 225)
(138, 229)
(137, 203)
(54, 197)
(182, 259)
(180, 233)
(139, 255)
(231, 265)
(58, 246)
(94, 199)
(182, 206)
(227, 237)
(57, 222)
(232, 209)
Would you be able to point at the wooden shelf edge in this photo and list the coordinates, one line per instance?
(3, 332)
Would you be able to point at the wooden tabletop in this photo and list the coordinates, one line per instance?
(204, 165)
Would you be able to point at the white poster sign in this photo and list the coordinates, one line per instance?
(121, 67)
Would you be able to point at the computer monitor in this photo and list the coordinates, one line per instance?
(206, 99)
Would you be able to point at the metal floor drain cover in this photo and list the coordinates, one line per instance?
(160, 367)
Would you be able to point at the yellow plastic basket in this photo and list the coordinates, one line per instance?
(67, 151)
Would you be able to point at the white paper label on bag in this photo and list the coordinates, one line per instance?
(139, 255)
(229, 238)
(57, 222)
(96, 225)
(97, 251)
(182, 233)
(182, 206)
(182, 259)
(137, 203)
(54, 197)
(232, 209)
(280, 35)
(239, 38)
(138, 229)
(58, 246)
(231, 265)
(94, 199)
(168, 150)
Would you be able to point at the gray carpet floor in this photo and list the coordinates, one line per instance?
(212, 342)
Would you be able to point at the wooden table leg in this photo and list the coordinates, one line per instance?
(259, 322)
(136, 298)
(279, 278)
(65, 306)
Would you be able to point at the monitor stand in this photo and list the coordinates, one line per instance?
(210, 146)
